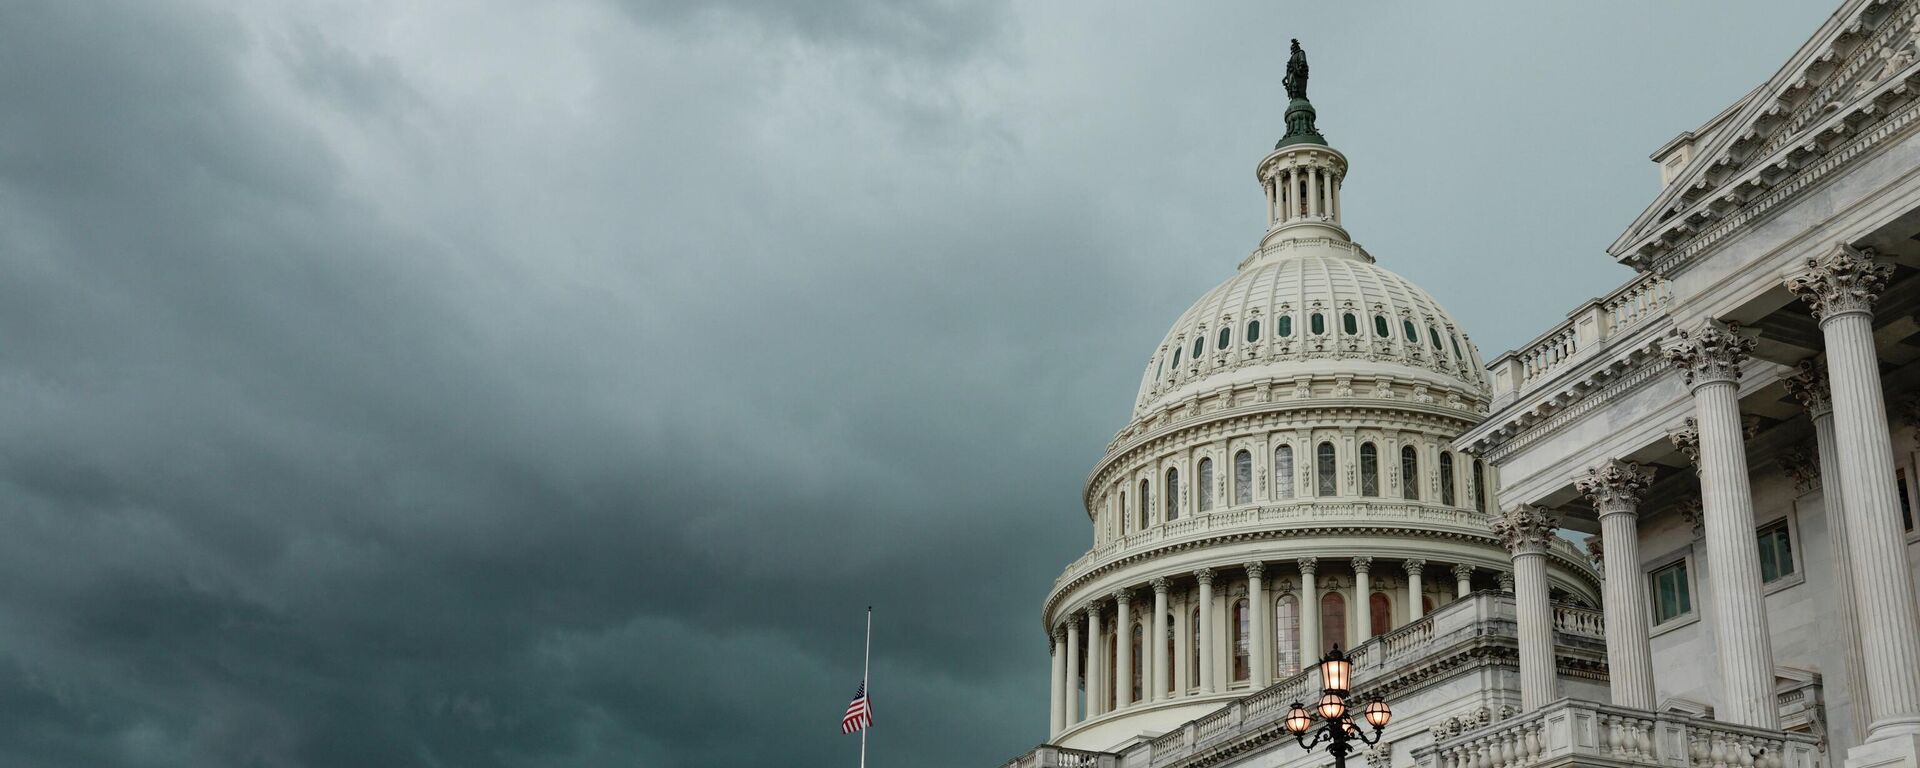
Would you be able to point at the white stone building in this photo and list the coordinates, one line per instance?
(1317, 456)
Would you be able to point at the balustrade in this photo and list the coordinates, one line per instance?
(1583, 622)
(1591, 327)
(1570, 730)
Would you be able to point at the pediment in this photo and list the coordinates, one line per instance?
(1861, 65)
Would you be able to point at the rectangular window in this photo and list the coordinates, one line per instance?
(1671, 593)
(1776, 552)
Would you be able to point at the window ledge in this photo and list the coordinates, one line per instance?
(1785, 582)
(1686, 619)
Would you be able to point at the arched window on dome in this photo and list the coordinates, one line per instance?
(1286, 326)
(1412, 335)
(1123, 513)
(1199, 348)
(1446, 479)
(1409, 473)
(1243, 477)
(1253, 331)
(1480, 485)
(1323, 471)
(1381, 609)
(1351, 324)
(1286, 635)
(1139, 648)
(1173, 651)
(1193, 649)
(1380, 327)
(1242, 657)
(1369, 470)
(1176, 361)
(1457, 354)
(1318, 324)
(1283, 472)
(1113, 664)
(1171, 490)
(1333, 621)
(1226, 335)
(1145, 505)
(1203, 490)
(1434, 334)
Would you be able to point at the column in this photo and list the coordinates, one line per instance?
(1096, 664)
(1207, 639)
(1841, 287)
(1362, 591)
(1123, 649)
(1157, 642)
(1057, 698)
(1615, 488)
(1183, 649)
(1462, 580)
(1809, 386)
(1293, 193)
(1526, 531)
(1416, 607)
(1072, 713)
(1333, 196)
(1313, 192)
(1309, 613)
(1711, 358)
(1261, 647)
(1271, 188)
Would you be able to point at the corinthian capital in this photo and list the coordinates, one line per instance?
(1159, 584)
(1711, 354)
(1687, 439)
(1255, 569)
(1362, 564)
(1615, 486)
(1205, 575)
(1309, 564)
(1123, 597)
(1844, 281)
(1525, 529)
(1808, 385)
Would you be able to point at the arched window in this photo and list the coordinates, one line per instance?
(1173, 655)
(1380, 327)
(1446, 478)
(1172, 494)
(1434, 334)
(1457, 354)
(1317, 323)
(1283, 472)
(1409, 473)
(1145, 505)
(1480, 485)
(1381, 609)
(1113, 665)
(1199, 348)
(1242, 625)
(1351, 324)
(1323, 471)
(1123, 513)
(1333, 620)
(1193, 649)
(1243, 477)
(1226, 335)
(1176, 360)
(1369, 470)
(1139, 649)
(1203, 490)
(1286, 635)
(1286, 325)
(1426, 605)
(1412, 335)
(1253, 331)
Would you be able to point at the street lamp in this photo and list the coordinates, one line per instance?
(1336, 675)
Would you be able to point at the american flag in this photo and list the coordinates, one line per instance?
(859, 714)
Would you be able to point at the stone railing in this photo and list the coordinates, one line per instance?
(1586, 328)
(1577, 621)
(1299, 513)
(1049, 756)
(1579, 732)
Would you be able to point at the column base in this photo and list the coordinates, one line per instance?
(1900, 749)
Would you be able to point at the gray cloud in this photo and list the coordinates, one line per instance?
(493, 384)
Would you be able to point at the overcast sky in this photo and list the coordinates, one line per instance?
(492, 383)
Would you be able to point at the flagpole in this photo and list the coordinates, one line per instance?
(866, 668)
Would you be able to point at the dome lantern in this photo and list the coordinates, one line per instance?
(1302, 176)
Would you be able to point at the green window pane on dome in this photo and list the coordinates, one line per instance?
(1435, 335)
(1352, 324)
(1319, 324)
(1286, 326)
(1380, 326)
(1226, 335)
(1456, 347)
(1199, 347)
(1412, 335)
(1176, 358)
(1253, 331)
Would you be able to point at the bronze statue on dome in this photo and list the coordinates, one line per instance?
(1296, 79)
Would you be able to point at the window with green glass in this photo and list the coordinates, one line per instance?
(1412, 335)
(1226, 335)
(1176, 357)
(1776, 552)
(1253, 331)
(1352, 324)
(1380, 327)
(1199, 347)
(1319, 324)
(1435, 336)
(1286, 326)
(1672, 594)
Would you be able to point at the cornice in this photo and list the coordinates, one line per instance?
(1547, 412)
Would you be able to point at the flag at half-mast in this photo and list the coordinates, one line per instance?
(859, 713)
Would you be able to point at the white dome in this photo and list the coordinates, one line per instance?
(1260, 325)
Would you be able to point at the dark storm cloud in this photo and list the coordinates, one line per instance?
(481, 384)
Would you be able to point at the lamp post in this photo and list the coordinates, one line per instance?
(1340, 731)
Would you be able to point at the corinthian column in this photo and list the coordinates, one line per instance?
(1841, 288)
(1123, 645)
(1157, 642)
(1096, 664)
(1711, 359)
(1809, 386)
(1205, 575)
(1071, 715)
(1362, 591)
(1615, 489)
(1416, 607)
(1309, 612)
(1057, 700)
(1260, 648)
(1527, 531)
(1462, 580)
